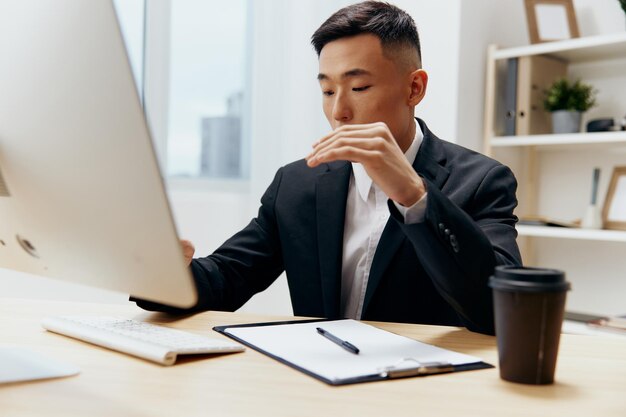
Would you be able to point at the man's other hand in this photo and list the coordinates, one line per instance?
(188, 250)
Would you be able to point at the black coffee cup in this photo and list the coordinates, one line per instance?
(528, 305)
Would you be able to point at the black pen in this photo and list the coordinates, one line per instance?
(346, 345)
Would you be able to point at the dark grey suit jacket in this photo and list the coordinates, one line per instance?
(434, 272)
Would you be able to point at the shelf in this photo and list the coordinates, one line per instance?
(564, 141)
(567, 233)
(590, 48)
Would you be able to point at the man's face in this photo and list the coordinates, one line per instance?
(361, 85)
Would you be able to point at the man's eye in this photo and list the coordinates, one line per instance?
(361, 88)
(328, 92)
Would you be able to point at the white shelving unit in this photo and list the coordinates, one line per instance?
(533, 157)
(567, 233)
(589, 49)
(578, 141)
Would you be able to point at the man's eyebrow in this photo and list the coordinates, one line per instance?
(356, 72)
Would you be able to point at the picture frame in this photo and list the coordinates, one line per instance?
(614, 210)
(551, 20)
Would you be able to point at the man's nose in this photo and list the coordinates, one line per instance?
(342, 111)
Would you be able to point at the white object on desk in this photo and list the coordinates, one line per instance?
(148, 341)
(18, 364)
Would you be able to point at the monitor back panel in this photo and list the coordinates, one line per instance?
(81, 196)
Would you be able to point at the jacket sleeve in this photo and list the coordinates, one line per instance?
(247, 263)
(459, 248)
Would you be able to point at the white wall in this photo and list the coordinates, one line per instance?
(439, 27)
(597, 17)
(482, 24)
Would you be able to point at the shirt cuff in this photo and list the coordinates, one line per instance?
(415, 213)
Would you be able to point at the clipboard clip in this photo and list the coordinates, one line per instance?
(412, 367)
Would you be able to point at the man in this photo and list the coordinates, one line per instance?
(382, 220)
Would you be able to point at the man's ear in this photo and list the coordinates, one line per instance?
(419, 81)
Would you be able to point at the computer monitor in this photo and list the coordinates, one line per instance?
(81, 195)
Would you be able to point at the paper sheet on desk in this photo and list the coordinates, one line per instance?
(301, 345)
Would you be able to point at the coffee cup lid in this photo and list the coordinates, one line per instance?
(528, 279)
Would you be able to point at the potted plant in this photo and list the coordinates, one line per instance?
(623, 4)
(567, 101)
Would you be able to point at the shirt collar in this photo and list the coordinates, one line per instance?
(363, 182)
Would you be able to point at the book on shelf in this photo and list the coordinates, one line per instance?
(613, 323)
(609, 323)
(527, 78)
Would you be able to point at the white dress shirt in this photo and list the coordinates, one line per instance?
(367, 214)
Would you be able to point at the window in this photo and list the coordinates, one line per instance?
(203, 93)
(206, 98)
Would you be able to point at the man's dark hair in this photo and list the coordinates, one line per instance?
(392, 25)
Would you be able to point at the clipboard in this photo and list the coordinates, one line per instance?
(382, 355)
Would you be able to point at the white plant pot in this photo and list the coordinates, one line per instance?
(566, 121)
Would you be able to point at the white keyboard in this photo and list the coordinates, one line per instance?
(148, 341)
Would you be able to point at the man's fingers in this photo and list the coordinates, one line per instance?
(349, 130)
(357, 138)
(313, 156)
(347, 153)
(356, 142)
(188, 250)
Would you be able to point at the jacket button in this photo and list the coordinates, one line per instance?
(454, 243)
(441, 227)
(447, 233)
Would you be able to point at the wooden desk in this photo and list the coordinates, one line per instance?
(591, 377)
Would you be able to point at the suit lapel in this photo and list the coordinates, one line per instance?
(331, 196)
(431, 159)
(429, 163)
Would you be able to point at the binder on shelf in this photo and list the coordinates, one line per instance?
(381, 354)
(510, 97)
(535, 73)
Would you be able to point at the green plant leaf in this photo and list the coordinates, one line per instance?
(564, 95)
